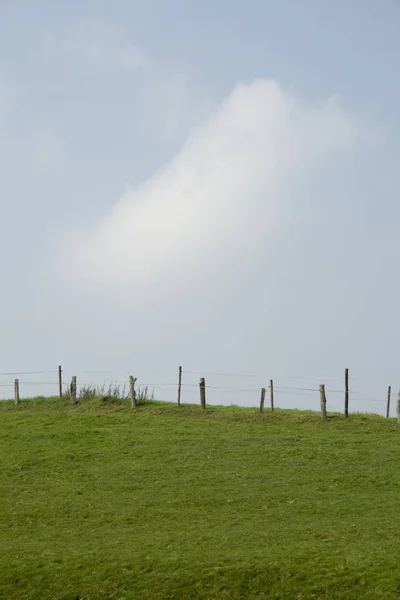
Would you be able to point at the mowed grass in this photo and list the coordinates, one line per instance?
(102, 502)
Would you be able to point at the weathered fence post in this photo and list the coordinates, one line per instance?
(346, 393)
(132, 381)
(60, 393)
(73, 390)
(179, 386)
(398, 407)
(388, 401)
(202, 385)
(16, 391)
(271, 393)
(322, 398)
(262, 400)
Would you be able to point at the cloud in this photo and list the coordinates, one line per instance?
(173, 101)
(104, 46)
(220, 194)
(171, 98)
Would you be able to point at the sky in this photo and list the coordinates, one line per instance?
(212, 185)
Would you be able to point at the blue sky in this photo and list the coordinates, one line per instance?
(209, 184)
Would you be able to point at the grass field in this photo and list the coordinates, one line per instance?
(99, 502)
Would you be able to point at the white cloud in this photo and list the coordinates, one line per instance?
(105, 46)
(171, 98)
(220, 193)
(173, 101)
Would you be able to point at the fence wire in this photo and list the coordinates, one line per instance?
(243, 395)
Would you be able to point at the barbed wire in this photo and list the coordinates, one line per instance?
(277, 389)
(218, 374)
(202, 373)
(27, 373)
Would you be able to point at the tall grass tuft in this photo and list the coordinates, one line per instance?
(110, 393)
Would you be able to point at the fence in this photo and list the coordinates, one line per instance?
(334, 394)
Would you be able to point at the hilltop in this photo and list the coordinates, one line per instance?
(101, 502)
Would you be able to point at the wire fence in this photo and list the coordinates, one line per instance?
(222, 388)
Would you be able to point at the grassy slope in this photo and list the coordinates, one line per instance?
(98, 502)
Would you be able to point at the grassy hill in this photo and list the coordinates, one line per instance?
(100, 502)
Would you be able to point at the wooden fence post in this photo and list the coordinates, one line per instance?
(271, 393)
(179, 386)
(346, 393)
(322, 398)
(398, 407)
(262, 400)
(73, 390)
(388, 401)
(202, 385)
(16, 391)
(132, 381)
(60, 393)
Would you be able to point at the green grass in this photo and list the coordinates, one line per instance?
(102, 502)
